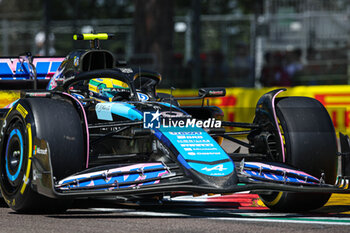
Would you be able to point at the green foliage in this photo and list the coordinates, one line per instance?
(16, 9)
(92, 9)
(251, 6)
(103, 9)
(182, 7)
(66, 10)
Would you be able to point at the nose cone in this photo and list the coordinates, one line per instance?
(202, 158)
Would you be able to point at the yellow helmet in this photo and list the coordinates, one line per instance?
(103, 88)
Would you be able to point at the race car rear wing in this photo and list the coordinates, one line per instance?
(27, 72)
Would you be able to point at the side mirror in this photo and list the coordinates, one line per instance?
(211, 92)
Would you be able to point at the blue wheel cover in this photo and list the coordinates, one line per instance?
(19, 135)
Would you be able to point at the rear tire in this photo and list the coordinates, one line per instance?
(58, 123)
(310, 145)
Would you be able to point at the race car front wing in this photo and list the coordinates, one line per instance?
(157, 177)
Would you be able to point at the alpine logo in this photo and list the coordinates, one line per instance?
(219, 167)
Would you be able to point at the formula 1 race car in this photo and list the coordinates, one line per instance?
(101, 129)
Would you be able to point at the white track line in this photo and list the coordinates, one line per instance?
(283, 221)
(302, 220)
(140, 213)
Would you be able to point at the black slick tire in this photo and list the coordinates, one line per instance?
(58, 123)
(310, 145)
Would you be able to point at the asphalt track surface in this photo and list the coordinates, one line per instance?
(233, 213)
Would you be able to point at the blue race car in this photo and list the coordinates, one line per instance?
(101, 129)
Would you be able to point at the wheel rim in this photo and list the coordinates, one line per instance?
(14, 156)
(13, 161)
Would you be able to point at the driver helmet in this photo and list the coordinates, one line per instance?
(104, 89)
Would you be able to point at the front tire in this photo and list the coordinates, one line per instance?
(310, 145)
(14, 159)
(58, 123)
